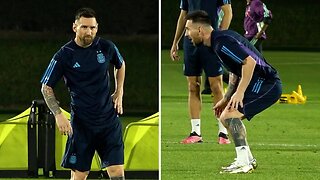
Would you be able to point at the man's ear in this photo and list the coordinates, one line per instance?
(74, 27)
(200, 30)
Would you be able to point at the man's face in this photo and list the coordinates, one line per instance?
(193, 32)
(86, 30)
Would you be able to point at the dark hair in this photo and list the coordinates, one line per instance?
(85, 12)
(199, 17)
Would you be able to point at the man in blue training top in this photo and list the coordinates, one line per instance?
(84, 64)
(254, 85)
(198, 59)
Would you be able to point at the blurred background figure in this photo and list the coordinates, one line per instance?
(256, 20)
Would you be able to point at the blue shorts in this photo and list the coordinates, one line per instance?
(81, 146)
(200, 58)
(260, 95)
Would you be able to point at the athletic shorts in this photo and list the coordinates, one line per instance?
(260, 95)
(200, 58)
(81, 146)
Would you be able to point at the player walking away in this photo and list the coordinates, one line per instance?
(256, 21)
(198, 59)
(94, 126)
(254, 85)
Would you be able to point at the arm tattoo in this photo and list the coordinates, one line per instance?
(50, 99)
(232, 86)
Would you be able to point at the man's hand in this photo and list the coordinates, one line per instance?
(117, 100)
(235, 101)
(219, 107)
(63, 124)
(174, 53)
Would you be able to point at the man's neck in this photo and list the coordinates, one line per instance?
(78, 42)
(207, 37)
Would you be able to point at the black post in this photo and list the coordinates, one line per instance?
(50, 162)
(41, 140)
(41, 133)
(32, 142)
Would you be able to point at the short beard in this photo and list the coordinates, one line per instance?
(86, 40)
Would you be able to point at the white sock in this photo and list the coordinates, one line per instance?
(242, 155)
(195, 124)
(222, 128)
(249, 154)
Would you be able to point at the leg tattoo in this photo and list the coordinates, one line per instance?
(237, 131)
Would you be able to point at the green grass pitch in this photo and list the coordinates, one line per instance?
(285, 139)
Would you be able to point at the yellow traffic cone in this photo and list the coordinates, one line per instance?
(299, 97)
(299, 90)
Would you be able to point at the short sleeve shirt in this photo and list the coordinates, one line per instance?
(85, 72)
(232, 49)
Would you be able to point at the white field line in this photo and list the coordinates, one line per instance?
(258, 144)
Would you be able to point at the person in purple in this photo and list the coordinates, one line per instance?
(256, 20)
(254, 85)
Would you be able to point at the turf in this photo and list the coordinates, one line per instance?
(284, 138)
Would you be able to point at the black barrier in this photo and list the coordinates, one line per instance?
(49, 162)
(32, 142)
(41, 140)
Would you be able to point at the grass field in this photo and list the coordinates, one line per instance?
(284, 138)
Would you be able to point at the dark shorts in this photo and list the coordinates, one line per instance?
(81, 146)
(200, 58)
(260, 95)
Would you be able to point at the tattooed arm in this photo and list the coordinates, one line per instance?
(232, 86)
(220, 106)
(62, 122)
(50, 99)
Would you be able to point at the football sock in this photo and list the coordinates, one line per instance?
(242, 155)
(249, 154)
(239, 135)
(195, 124)
(222, 129)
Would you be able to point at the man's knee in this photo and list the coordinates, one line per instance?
(194, 85)
(116, 172)
(226, 114)
(216, 85)
(78, 175)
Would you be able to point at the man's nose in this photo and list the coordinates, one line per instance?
(187, 34)
(88, 31)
